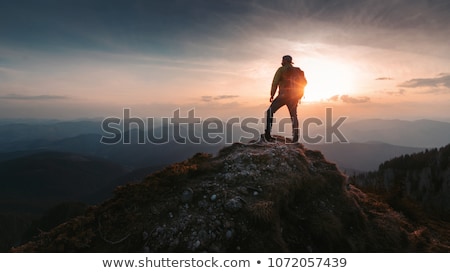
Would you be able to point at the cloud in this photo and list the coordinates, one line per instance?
(224, 97)
(442, 80)
(396, 93)
(349, 99)
(221, 97)
(207, 98)
(384, 79)
(5, 70)
(334, 98)
(37, 97)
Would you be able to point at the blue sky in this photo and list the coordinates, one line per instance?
(75, 59)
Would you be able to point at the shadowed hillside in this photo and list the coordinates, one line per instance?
(419, 179)
(260, 197)
(34, 183)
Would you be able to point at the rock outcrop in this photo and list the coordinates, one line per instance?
(257, 197)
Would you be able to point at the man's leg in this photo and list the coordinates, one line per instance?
(276, 104)
(292, 106)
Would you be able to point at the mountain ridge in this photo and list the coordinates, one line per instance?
(417, 133)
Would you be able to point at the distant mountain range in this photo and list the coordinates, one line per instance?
(361, 157)
(130, 156)
(419, 134)
(46, 131)
(371, 142)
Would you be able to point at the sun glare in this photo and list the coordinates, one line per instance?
(326, 79)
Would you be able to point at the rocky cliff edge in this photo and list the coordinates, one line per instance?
(257, 197)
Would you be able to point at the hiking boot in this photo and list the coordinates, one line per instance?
(268, 137)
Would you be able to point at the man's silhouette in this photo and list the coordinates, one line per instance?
(290, 82)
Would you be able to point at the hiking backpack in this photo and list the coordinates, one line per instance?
(297, 81)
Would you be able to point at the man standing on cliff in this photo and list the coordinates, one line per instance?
(290, 82)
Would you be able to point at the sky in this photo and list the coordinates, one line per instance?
(89, 59)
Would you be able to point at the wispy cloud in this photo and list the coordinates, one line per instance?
(224, 97)
(442, 80)
(36, 97)
(349, 99)
(384, 79)
(334, 98)
(5, 70)
(221, 97)
(396, 93)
